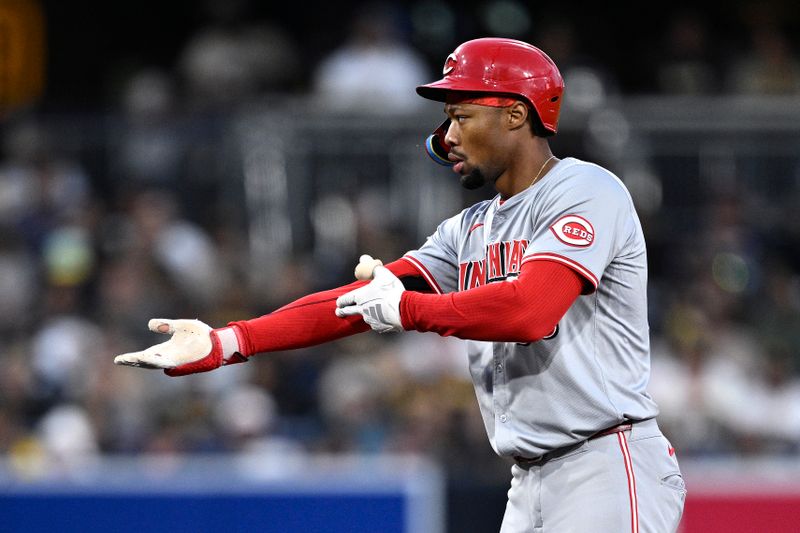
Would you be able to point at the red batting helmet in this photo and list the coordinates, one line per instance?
(508, 66)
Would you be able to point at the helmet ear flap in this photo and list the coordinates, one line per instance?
(436, 146)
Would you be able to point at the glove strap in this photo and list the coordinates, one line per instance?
(230, 344)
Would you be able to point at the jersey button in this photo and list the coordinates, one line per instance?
(499, 369)
(503, 418)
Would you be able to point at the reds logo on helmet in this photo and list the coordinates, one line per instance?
(573, 230)
(449, 64)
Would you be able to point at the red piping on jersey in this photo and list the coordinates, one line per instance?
(523, 310)
(425, 273)
(634, 502)
(473, 228)
(579, 268)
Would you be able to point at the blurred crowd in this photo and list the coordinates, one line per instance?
(141, 215)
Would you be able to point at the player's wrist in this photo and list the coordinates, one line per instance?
(229, 341)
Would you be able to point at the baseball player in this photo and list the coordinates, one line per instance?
(546, 282)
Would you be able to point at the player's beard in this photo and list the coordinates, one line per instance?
(476, 179)
(473, 180)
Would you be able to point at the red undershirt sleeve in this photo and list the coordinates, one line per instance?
(522, 310)
(308, 321)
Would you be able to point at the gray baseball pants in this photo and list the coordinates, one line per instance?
(623, 482)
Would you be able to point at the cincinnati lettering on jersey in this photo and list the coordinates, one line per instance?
(502, 261)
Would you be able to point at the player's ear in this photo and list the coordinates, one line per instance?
(517, 115)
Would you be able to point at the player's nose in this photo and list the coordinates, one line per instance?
(451, 135)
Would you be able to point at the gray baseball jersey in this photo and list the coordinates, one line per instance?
(592, 371)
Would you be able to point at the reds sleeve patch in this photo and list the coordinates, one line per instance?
(573, 230)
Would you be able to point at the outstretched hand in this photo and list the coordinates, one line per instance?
(194, 347)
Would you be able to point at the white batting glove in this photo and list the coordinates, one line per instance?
(194, 347)
(378, 302)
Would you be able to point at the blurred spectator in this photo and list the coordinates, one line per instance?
(63, 350)
(506, 18)
(184, 250)
(62, 446)
(590, 83)
(733, 249)
(241, 426)
(130, 291)
(333, 218)
(353, 390)
(705, 370)
(19, 287)
(769, 67)
(68, 441)
(776, 316)
(155, 262)
(41, 185)
(232, 57)
(687, 64)
(677, 382)
(149, 149)
(375, 70)
(769, 64)
(250, 433)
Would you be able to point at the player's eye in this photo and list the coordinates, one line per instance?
(460, 118)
